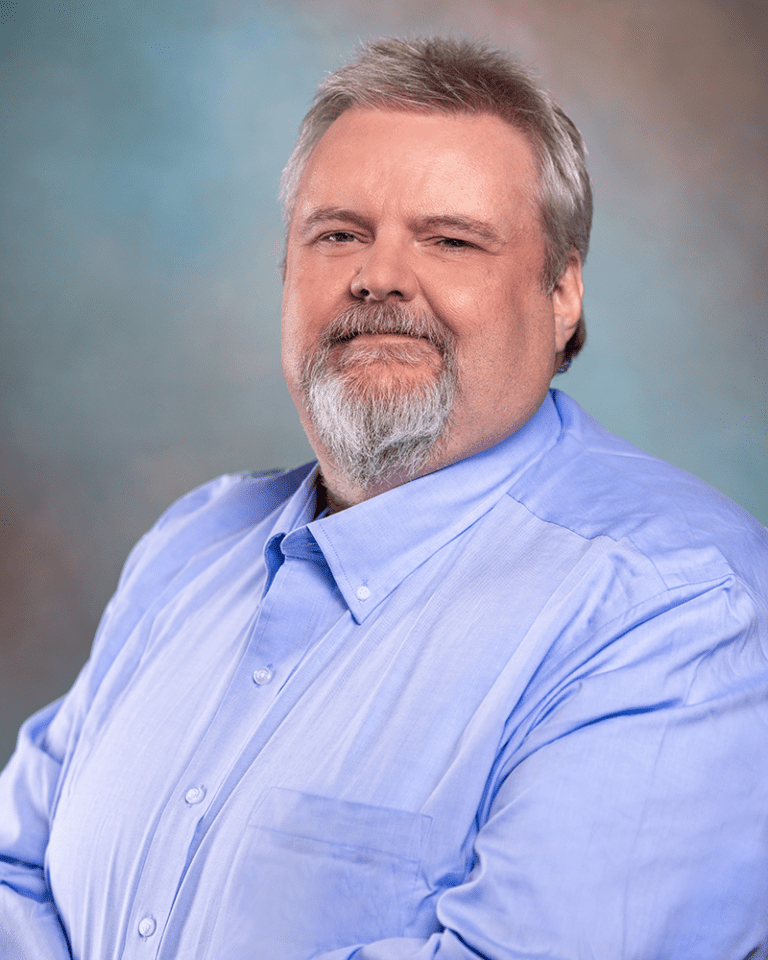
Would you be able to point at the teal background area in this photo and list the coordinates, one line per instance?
(141, 146)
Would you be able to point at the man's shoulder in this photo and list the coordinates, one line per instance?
(210, 515)
(234, 499)
(598, 485)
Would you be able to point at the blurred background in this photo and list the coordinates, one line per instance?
(141, 145)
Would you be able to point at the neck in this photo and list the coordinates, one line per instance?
(337, 493)
(325, 499)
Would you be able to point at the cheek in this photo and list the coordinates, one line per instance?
(291, 346)
(505, 350)
(306, 314)
(315, 291)
(293, 335)
(300, 308)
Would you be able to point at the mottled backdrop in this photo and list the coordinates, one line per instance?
(141, 147)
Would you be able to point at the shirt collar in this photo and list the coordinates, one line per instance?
(372, 547)
(300, 508)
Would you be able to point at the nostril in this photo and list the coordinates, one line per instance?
(365, 294)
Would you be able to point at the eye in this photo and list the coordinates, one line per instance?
(453, 243)
(338, 236)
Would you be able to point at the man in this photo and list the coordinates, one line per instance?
(488, 682)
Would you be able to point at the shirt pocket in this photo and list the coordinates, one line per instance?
(314, 873)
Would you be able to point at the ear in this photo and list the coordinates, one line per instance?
(566, 301)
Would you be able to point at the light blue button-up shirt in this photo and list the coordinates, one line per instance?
(517, 708)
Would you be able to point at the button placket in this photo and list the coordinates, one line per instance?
(277, 642)
(270, 649)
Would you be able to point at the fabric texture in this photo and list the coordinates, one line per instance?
(517, 708)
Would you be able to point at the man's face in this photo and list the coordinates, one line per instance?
(435, 217)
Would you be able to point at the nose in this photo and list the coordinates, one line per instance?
(384, 272)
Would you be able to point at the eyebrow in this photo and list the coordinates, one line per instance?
(329, 214)
(458, 221)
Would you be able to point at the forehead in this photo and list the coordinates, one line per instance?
(420, 158)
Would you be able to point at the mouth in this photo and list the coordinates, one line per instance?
(377, 333)
(393, 336)
(386, 343)
(384, 351)
(385, 337)
(371, 334)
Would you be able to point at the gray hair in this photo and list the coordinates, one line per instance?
(450, 76)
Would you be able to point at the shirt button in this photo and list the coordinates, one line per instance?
(147, 927)
(363, 593)
(262, 675)
(194, 794)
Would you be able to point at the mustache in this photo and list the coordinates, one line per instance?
(387, 317)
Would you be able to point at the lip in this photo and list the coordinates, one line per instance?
(372, 348)
(376, 336)
(388, 343)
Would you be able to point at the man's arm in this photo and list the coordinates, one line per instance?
(30, 928)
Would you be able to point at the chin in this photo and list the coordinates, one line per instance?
(375, 427)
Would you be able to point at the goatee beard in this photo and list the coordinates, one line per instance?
(374, 427)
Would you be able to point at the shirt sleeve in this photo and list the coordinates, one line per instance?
(30, 927)
(630, 814)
